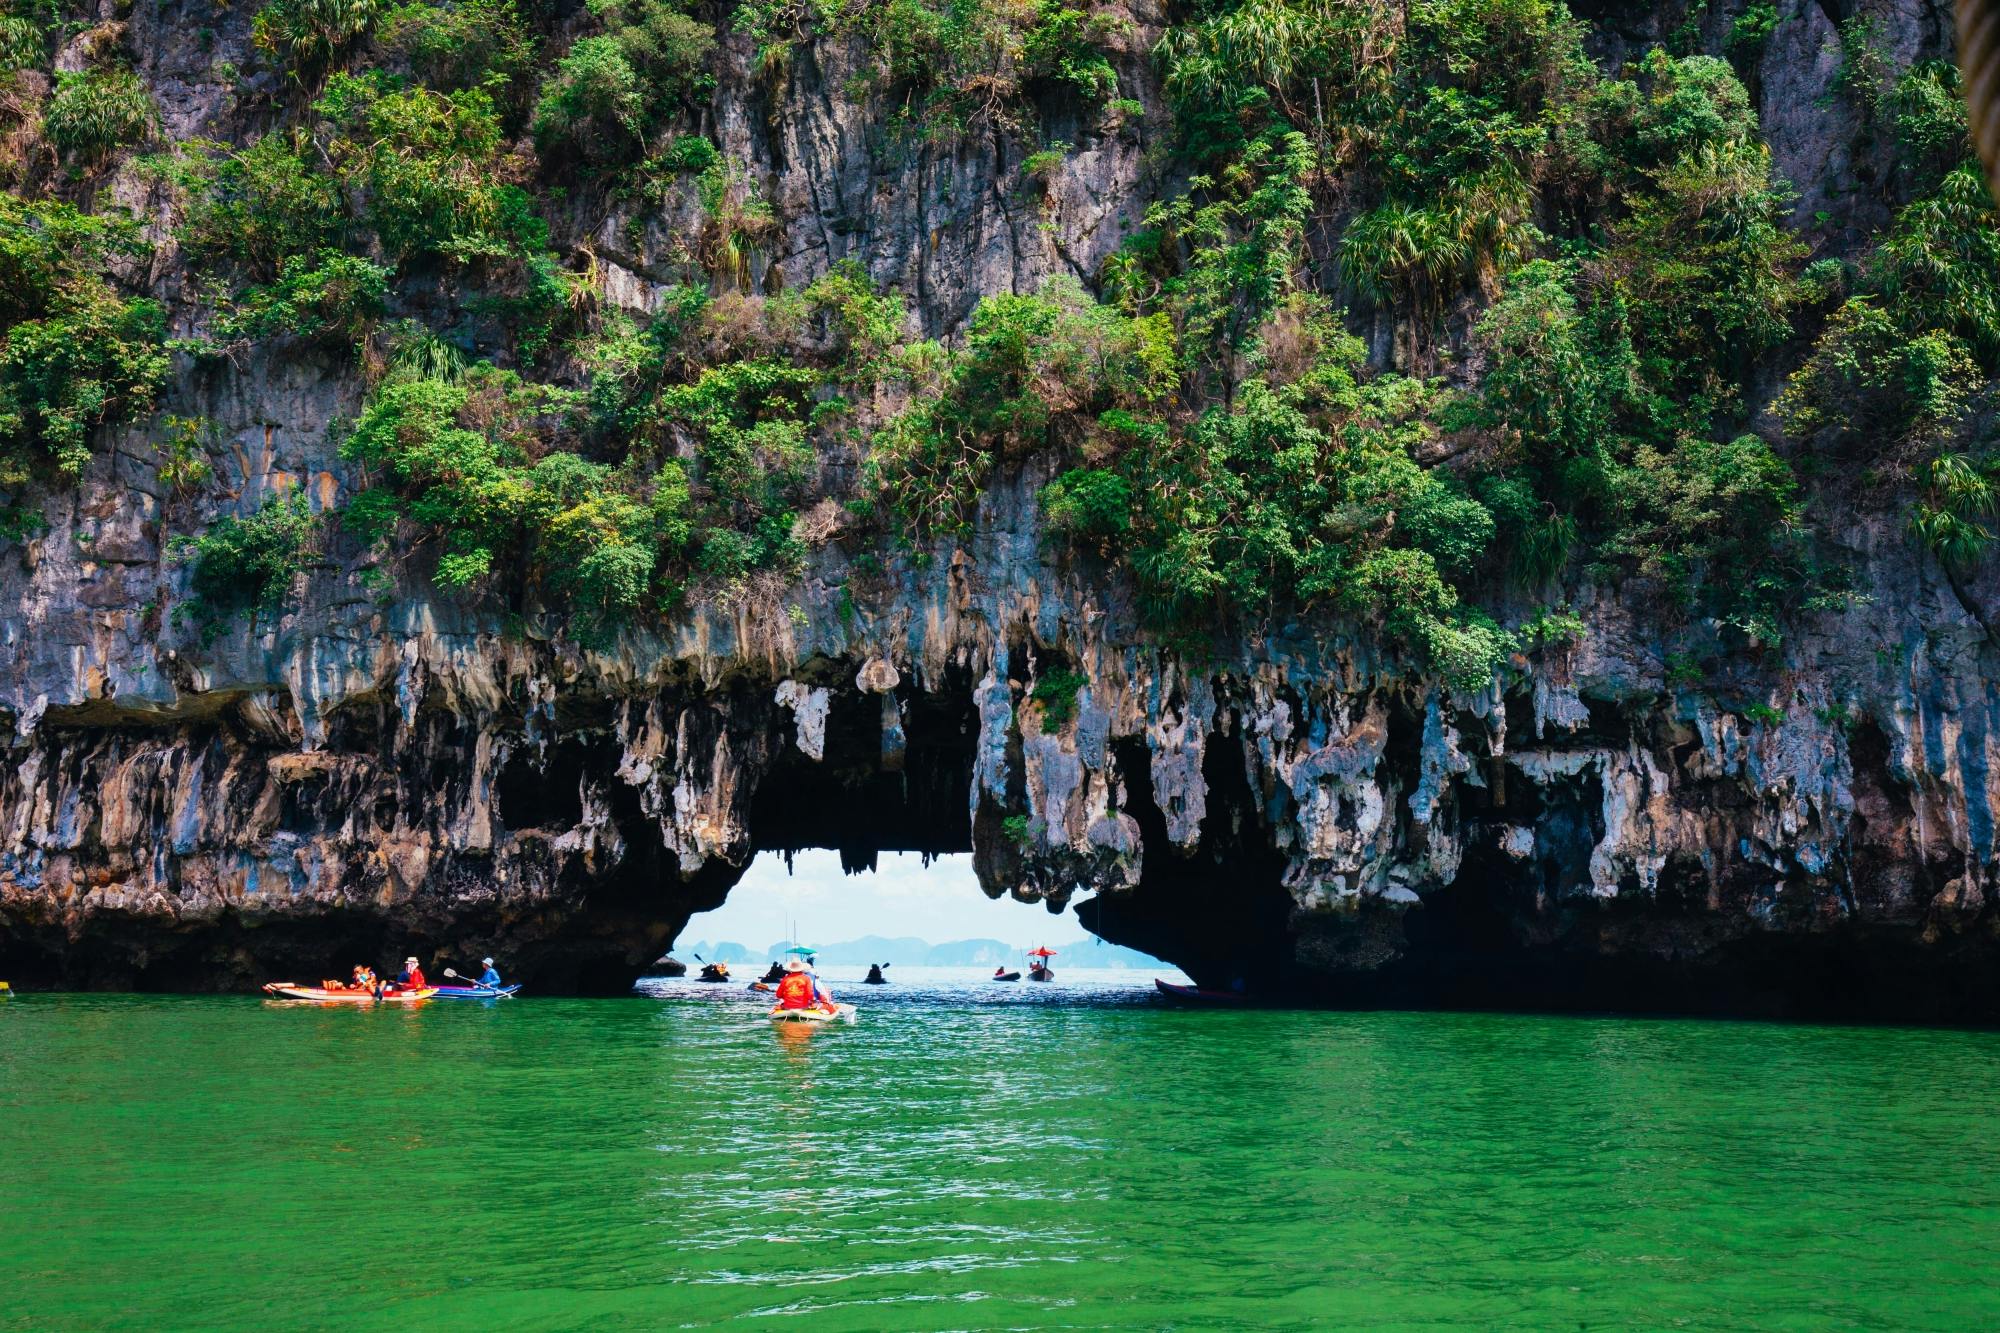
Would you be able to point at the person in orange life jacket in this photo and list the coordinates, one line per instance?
(364, 977)
(411, 977)
(799, 990)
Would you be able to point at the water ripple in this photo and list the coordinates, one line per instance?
(971, 1156)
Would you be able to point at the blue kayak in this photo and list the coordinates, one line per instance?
(475, 992)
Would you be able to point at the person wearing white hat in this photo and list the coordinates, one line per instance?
(489, 977)
(411, 977)
(799, 990)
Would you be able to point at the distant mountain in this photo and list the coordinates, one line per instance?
(909, 951)
(970, 953)
(722, 951)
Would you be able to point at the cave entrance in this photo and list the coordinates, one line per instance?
(905, 909)
(863, 842)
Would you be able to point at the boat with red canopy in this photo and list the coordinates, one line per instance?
(1038, 964)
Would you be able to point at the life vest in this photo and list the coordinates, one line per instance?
(796, 991)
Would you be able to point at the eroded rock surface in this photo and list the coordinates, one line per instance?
(1811, 831)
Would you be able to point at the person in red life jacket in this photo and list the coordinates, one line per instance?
(411, 977)
(799, 991)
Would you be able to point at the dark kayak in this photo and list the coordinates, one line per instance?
(1196, 995)
(1006, 976)
(475, 992)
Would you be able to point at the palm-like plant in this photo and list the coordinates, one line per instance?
(1943, 257)
(311, 35)
(1955, 518)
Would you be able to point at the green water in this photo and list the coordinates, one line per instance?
(949, 1162)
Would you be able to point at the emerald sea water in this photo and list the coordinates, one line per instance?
(968, 1156)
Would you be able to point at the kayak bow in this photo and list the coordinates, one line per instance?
(476, 992)
(779, 1014)
(1197, 995)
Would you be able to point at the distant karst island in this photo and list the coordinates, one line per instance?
(909, 951)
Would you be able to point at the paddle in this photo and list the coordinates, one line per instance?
(471, 982)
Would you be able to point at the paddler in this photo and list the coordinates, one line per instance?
(489, 978)
(364, 977)
(799, 990)
(411, 977)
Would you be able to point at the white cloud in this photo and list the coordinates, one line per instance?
(902, 897)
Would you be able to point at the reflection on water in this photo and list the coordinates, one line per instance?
(971, 1155)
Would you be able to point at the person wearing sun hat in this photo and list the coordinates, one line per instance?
(799, 989)
(489, 977)
(412, 976)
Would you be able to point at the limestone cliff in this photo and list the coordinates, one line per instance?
(1299, 804)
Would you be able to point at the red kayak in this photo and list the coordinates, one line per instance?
(1197, 995)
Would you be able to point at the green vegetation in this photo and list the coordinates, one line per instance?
(463, 44)
(309, 37)
(1904, 364)
(183, 454)
(424, 170)
(613, 95)
(327, 295)
(1056, 692)
(75, 355)
(454, 458)
(1552, 627)
(95, 112)
(1763, 714)
(261, 205)
(1579, 283)
(943, 67)
(250, 563)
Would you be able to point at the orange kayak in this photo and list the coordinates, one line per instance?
(291, 990)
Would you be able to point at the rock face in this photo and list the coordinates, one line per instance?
(1806, 830)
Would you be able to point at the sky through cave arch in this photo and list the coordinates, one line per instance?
(941, 902)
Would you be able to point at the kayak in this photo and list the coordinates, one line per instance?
(783, 1015)
(1008, 976)
(1197, 995)
(291, 990)
(476, 992)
